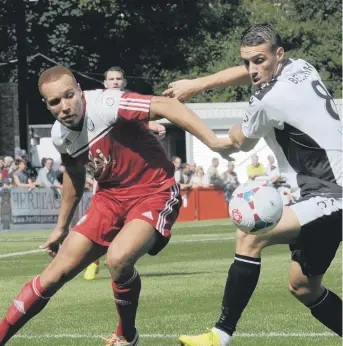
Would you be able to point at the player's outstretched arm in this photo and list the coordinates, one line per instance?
(187, 88)
(179, 114)
(239, 141)
(72, 191)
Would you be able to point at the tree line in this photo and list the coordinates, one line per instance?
(159, 41)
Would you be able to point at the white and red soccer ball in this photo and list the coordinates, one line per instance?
(255, 208)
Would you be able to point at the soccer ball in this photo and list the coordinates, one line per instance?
(255, 208)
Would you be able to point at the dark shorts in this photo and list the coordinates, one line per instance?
(320, 235)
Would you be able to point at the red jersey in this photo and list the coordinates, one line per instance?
(115, 144)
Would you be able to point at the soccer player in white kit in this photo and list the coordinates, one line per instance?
(293, 111)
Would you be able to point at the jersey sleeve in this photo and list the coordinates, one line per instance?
(256, 121)
(133, 106)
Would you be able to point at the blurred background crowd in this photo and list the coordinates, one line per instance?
(19, 172)
(191, 175)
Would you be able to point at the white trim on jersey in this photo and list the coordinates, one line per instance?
(92, 142)
(136, 100)
(168, 209)
(135, 109)
(133, 104)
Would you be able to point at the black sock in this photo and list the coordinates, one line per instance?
(328, 310)
(240, 285)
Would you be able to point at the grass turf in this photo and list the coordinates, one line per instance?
(182, 292)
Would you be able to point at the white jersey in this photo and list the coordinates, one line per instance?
(299, 121)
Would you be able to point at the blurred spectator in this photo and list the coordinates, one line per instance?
(43, 160)
(3, 170)
(20, 177)
(177, 164)
(213, 174)
(272, 171)
(47, 177)
(278, 181)
(30, 170)
(10, 166)
(193, 167)
(256, 169)
(3, 183)
(59, 174)
(230, 180)
(199, 179)
(186, 174)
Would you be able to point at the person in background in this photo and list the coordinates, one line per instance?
(43, 160)
(177, 165)
(10, 166)
(199, 179)
(186, 174)
(230, 180)
(20, 177)
(213, 173)
(272, 171)
(115, 79)
(193, 167)
(47, 177)
(256, 169)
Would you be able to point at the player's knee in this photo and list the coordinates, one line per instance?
(249, 245)
(302, 292)
(116, 263)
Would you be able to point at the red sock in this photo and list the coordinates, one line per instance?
(29, 302)
(126, 297)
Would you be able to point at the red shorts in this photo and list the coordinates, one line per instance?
(107, 215)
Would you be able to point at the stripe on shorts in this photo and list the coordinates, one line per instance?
(168, 209)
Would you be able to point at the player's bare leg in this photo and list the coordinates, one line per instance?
(135, 240)
(325, 305)
(74, 255)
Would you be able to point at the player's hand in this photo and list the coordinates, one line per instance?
(183, 89)
(223, 146)
(55, 239)
(161, 131)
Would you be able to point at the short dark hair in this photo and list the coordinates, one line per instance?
(261, 33)
(53, 74)
(115, 68)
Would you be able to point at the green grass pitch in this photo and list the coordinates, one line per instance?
(182, 292)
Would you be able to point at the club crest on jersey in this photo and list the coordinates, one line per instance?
(98, 163)
(110, 101)
(90, 125)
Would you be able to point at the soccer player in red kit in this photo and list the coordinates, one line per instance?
(137, 201)
(115, 79)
